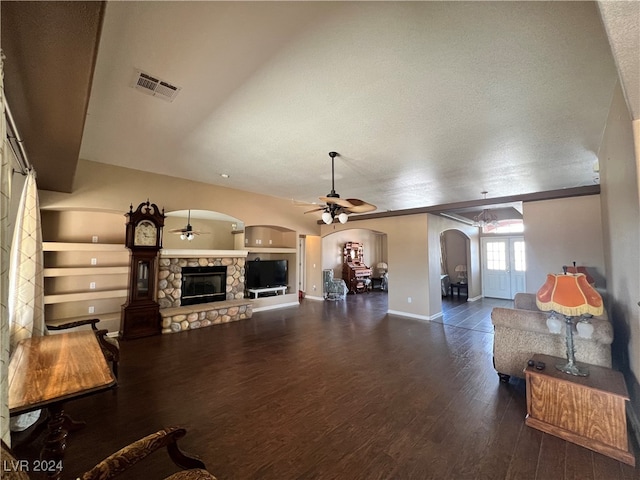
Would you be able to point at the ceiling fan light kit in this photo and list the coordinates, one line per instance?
(340, 208)
(187, 233)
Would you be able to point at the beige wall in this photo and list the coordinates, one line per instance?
(313, 270)
(82, 226)
(215, 234)
(559, 232)
(437, 225)
(413, 255)
(98, 186)
(621, 221)
(333, 243)
(407, 258)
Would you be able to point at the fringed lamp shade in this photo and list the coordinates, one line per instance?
(570, 295)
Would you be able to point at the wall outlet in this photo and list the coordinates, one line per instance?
(92, 285)
(314, 287)
(92, 309)
(270, 242)
(94, 239)
(408, 299)
(94, 261)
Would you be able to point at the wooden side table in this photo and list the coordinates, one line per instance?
(460, 287)
(588, 411)
(45, 372)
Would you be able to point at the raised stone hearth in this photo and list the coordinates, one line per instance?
(176, 317)
(203, 315)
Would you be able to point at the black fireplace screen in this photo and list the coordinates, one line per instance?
(203, 284)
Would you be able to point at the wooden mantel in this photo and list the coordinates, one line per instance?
(195, 253)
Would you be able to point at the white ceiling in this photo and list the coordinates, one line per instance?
(427, 102)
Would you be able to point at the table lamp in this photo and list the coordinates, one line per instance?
(569, 295)
(462, 273)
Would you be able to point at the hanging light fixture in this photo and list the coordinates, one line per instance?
(331, 212)
(340, 208)
(486, 217)
(187, 232)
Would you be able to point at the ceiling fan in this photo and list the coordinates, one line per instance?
(340, 207)
(187, 233)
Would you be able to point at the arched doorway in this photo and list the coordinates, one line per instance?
(375, 256)
(455, 263)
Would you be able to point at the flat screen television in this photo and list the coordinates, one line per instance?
(266, 273)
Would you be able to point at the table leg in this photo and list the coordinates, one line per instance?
(55, 442)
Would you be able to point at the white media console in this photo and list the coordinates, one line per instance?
(257, 291)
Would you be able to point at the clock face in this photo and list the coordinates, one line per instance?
(145, 234)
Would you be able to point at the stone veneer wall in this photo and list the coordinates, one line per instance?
(170, 277)
(204, 314)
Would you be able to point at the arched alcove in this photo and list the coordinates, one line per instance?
(213, 230)
(455, 257)
(374, 246)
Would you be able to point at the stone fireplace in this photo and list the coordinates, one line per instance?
(174, 265)
(203, 285)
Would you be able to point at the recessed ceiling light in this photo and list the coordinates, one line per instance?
(224, 175)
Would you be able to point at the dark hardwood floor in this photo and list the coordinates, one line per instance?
(330, 390)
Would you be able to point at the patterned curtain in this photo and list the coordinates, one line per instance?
(26, 280)
(26, 275)
(5, 201)
(443, 254)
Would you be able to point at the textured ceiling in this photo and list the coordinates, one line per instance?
(427, 103)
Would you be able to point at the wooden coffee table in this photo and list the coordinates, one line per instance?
(45, 372)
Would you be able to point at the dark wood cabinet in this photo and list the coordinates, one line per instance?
(354, 272)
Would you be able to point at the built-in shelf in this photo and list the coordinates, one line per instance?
(83, 296)
(270, 250)
(93, 270)
(71, 269)
(85, 247)
(195, 253)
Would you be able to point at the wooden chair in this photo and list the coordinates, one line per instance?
(193, 468)
(109, 346)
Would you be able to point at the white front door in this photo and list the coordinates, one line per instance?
(503, 267)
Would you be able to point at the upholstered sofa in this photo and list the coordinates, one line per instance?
(522, 331)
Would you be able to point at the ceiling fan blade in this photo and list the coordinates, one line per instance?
(315, 210)
(359, 206)
(336, 201)
(299, 203)
(180, 231)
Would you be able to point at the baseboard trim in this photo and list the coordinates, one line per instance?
(410, 315)
(312, 297)
(474, 299)
(273, 307)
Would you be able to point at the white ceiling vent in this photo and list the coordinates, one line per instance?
(154, 86)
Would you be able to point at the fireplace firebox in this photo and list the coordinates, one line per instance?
(203, 285)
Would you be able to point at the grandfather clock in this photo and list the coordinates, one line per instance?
(141, 313)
